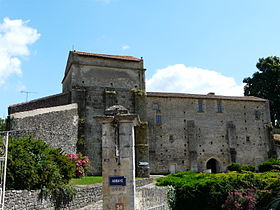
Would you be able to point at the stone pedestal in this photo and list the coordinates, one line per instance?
(118, 158)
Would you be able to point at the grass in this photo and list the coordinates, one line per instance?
(87, 180)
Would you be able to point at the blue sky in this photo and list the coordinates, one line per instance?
(188, 46)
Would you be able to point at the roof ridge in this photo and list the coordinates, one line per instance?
(120, 57)
(206, 96)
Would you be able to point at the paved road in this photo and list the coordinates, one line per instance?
(98, 205)
(94, 206)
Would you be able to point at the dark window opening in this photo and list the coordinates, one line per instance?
(257, 115)
(219, 107)
(171, 138)
(200, 106)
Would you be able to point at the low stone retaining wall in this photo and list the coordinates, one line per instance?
(27, 200)
(151, 197)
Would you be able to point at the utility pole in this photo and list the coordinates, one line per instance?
(27, 93)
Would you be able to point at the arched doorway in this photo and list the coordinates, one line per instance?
(213, 164)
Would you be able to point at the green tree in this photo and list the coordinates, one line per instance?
(2, 124)
(265, 83)
(33, 164)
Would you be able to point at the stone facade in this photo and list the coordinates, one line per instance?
(97, 82)
(177, 131)
(187, 132)
(57, 126)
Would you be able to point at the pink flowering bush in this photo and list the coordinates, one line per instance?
(244, 199)
(81, 164)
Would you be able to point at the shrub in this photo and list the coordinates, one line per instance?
(237, 167)
(234, 167)
(241, 199)
(210, 191)
(2, 124)
(248, 168)
(171, 197)
(32, 165)
(81, 164)
(270, 165)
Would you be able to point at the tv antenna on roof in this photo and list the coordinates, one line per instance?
(27, 93)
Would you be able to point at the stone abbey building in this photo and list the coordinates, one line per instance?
(178, 131)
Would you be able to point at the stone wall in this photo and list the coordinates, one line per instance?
(182, 137)
(30, 200)
(151, 196)
(92, 101)
(50, 101)
(57, 126)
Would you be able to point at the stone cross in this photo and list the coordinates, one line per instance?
(118, 158)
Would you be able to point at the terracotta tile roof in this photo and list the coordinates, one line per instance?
(119, 57)
(208, 96)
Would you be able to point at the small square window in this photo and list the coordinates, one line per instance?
(200, 106)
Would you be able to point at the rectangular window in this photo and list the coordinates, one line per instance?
(200, 106)
(158, 119)
(155, 106)
(257, 115)
(171, 138)
(219, 106)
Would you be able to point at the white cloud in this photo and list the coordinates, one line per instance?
(125, 47)
(183, 79)
(15, 36)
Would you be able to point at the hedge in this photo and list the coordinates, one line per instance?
(211, 191)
